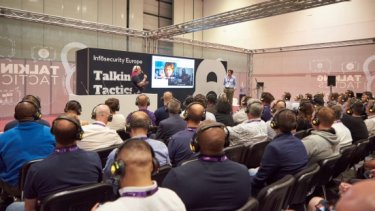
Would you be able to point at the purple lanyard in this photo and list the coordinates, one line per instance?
(66, 149)
(141, 194)
(213, 158)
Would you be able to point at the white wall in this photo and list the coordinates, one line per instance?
(338, 22)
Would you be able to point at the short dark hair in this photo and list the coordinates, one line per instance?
(326, 116)
(73, 105)
(287, 96)
(338, 111)
(357, 107)
(286, 120)
(113, 104)
(267, 97)
(211, 98)
(230, 71)
(201, 99)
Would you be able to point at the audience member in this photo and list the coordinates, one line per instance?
(349, 94)
(352, 119)
(370, 121)
(342, 132)
(333, 99)
(97, 135)
(179, 143)
(322, 142)
(286, 97)
(202, 100)
(266, 99)
(211, 182)
(224, 112)
(173, 123)
(139, 125)
(276, 107)
(67, 167)
(241, 116)
(305, 111)
(318, 101)
(135, 163)
(366, 96)
(284, 155)
(74, 109)
(211, 102)
(251, 131)
(118, 120)
(36, 102)
(27, 141)
(189, 99)
(161, 113)
(143, 101)
(309, 97)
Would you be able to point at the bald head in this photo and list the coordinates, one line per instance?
(142, 100)
(65, 129)
(102, 113)
(167, 96)
(136, 152)
(25, 111)
(140, 119)
(211, 137)
(195, 112)
(360, 197)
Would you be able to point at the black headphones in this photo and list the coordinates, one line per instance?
(275, 124)
(70, 103)
(372, 107)
(118, 167)
(37, 115)
(137, 100)
(139, 123)
(93, 113)
(194, 145)
(186, 115)
(247, 109)
(79, 131)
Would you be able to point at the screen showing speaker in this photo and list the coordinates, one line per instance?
(172, 72)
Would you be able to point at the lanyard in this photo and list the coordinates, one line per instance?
(66, 149)
(140, 194)
(213, 158)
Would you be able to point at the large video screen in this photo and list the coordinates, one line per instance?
(171, 72)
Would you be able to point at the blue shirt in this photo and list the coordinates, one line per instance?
(25, 142)
(179, 146)
(266, 114)
(160, 114)
(230, 82)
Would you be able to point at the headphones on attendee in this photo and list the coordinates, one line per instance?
(315, 120)
(247, 109)
(186, 115)
(273, 110)
(79, 131)
(93, 113)
(137, 99)
(177, 101)
(37, 115)
(69, 104)
(275, 123)
(194, 145)
(372, 107)
(118, 167)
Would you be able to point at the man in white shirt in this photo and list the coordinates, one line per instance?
(97, 135)
(118, 120)
(370, 121)
(135, 162)
(251, 131)
(342, 132)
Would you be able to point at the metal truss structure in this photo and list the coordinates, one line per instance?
(169, 33)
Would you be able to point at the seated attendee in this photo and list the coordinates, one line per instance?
(353, 120)
(143, 101)
(118, 120)
(202, 100)
(173, 123)
(67, 167)
(286, 97)
(36, 102)
(97, 135)
(251, 131)
(139, 124)
(333, 99)
(211, 182)
(284, 155)
(74, 108)
(189, 99)
(224, 112)
(305, 111)
(318, 101)
(276, 107)
(211, 102)
(370, 121)
(27, 141)
(342, 132)
(322, 142)
(179, 143)
(161, 113)
(134, 163)
(266, 99)
(241, 116)
(308, 97)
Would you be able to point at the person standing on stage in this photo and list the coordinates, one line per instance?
(229, 86)
(139, 79)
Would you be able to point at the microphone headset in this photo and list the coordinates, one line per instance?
(276, 124)
(315, 120)
(73, 105)
(79, 131)
(137, 99)
(36, 115)
(194, 145)
(93, 113)
(187, 116)
(372, 107)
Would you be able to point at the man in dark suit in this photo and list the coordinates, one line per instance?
(173, 123)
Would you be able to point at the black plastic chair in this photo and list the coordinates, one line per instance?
(236, 153)
(23, 173)
(303, 133)
(123, 134)
(360, 152)
(160, 175)
(79, 198)
(273, 196)
(254, 153)
(104, 152)
(344, 161)
(302, 186)
(251, 205)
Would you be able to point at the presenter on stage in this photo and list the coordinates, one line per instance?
(139, 79)
(229, 86)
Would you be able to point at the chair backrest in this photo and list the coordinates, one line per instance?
(251, 205)
(160, 175)
(236, 153)
(303, 182)
(344, 161)
(23, 173)
(255, 153)
(104, 152)
(273, 196)
(325, 173)
(79, 198)
(360, 152)
(303, 133)
(123, 134)
(372, 143)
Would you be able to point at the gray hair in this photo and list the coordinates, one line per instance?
(254, 107)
